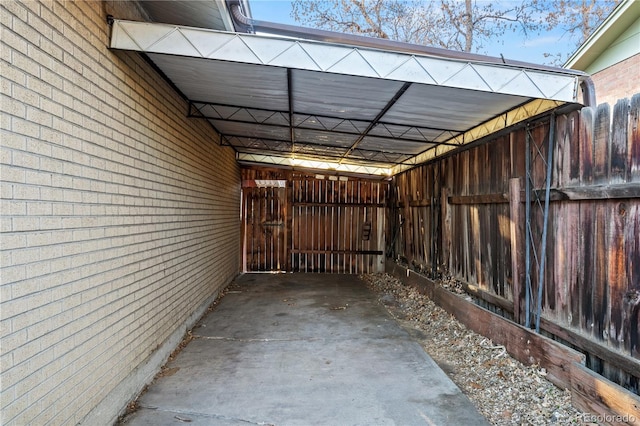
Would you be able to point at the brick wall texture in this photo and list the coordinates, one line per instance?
(619, 81)
(120, 216)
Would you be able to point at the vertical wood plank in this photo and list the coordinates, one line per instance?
(633, 150)
(572, 166)
(631, 298)
(562, 263)
(295, 257)
(516, 216)
(586, 145)
(311, 216)
(243, 231)
(554, 239)
(601, 284)
(585, 246)
(327, 228)
(465, 220)
(616, 271)
(287, 208)
(585, 267)
(340, 237)
(571, 170)
(619, 132)
(562, 249)
(601, 144)
(559, 151)
(445, 220)
(379, 267)
(334, 223)
(501, 214)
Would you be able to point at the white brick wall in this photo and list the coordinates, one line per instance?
(119, 214)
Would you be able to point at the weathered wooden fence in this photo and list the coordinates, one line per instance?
(464, 220)
(299, 222)
(337, 225)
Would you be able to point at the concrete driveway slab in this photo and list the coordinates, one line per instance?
(302, 349)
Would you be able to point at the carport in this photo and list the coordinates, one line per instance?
(345, 108)
(320, 127)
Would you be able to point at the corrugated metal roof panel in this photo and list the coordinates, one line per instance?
(344, 106)
(226, 83)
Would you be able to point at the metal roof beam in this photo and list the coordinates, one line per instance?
(381, 114)
(290, 99)
(341, 132)
(260, 139)
(200, 114)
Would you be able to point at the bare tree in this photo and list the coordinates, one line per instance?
(445, 23)
(577, 19)
(390, 19)
(454, 24)
(470, 23)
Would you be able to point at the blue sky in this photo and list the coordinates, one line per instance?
(514, 46)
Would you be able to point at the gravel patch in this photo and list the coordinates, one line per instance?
(504, 390)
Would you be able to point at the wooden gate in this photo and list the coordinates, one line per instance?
(298, 222)
(337, 226)
(265, 227)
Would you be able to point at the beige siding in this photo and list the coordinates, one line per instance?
(120, 216)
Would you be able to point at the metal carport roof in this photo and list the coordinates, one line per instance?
(356, 109)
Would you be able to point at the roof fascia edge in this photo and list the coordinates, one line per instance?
(576, 59)
(253, 25)
(126, 35)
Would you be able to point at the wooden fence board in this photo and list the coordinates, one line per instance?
(594, 394)
(600, 282)
(601, 144)
(561, 153)
(553, 239)
(592, 280)
(616, 272)
(618, 147)
(516, 215)
(601, 171)
(445, 214)
(574, 144)
(586, 145)
(631, 298)
(633, 150)
(558, 264)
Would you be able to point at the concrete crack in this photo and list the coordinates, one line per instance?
(233, 339)
(184, 416)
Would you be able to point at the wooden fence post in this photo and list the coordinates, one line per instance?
(517, 241)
